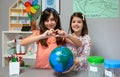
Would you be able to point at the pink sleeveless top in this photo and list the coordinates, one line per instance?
(42, 55)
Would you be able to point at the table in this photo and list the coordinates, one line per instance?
(32, 72)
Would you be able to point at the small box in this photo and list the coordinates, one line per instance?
(14, 68)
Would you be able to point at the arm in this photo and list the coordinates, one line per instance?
(73, 40)
(69, 38)
(30, 39)
(84, 55)
(35, 37)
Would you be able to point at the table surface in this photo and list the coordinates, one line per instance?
(32, 72)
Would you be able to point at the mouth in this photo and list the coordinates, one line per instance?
(50, 27)
(76, 27)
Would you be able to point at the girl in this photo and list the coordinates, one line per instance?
(81, 48)
(46, 39)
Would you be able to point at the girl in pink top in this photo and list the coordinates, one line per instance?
(46, 38)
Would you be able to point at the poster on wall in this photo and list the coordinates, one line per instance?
(97, 8)
(51, 4)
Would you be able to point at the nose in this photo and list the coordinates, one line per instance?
(49, 22)
(76, 23)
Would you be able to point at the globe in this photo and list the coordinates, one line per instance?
(61, 59)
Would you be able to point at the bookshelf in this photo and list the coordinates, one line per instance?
(18, 16)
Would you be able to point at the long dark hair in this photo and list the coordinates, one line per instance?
(80, 15)
(44, 16)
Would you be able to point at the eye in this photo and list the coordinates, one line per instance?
(79, 21)
(73, 21)
(52, 19)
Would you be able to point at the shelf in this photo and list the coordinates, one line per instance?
(18, 32)
(33, 56)
(18, 16)
(17, 8)
(9, 45)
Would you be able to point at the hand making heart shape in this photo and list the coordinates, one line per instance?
(55, 33)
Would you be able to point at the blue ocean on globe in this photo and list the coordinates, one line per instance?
(61, 59)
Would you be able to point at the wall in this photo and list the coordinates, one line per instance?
(104, 32)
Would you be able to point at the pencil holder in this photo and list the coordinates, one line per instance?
(14, 68)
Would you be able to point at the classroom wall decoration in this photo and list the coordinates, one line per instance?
(97, 8)
(33, 9)
(51, 4)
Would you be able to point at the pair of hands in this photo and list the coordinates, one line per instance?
(55, 33)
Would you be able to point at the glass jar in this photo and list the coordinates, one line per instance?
(112, 68)
(95, 66)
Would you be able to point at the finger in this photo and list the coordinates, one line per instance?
(62, 33)
(52, 30)
(60, 36)
(57, 31)
(46, 33)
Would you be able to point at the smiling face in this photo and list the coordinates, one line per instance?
(50, 23)
(49, 20)
(77, 24)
